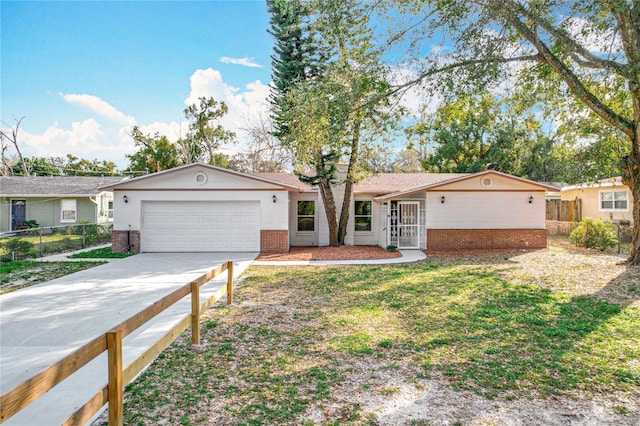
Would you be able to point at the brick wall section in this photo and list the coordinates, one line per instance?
(274, 241)
(474, 239)
(119, 241)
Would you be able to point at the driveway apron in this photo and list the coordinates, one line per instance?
(40, 325)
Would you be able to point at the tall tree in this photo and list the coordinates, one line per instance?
(293, 58)
(206, 134)
(264, 152)
(155, 153)
(332, 115)
(81, 167)
(471, 132)
(589, 46)
(9, 140)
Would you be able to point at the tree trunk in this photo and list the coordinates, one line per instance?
(631, 178)
(348, 190)
(330, 209)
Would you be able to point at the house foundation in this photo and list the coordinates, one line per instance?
(478, 239)
(125, 241)
(274, 241)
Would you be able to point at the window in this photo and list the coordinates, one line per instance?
(110, 210)
(614, 201)
(67, 210)
(363, 215)
(306, 216)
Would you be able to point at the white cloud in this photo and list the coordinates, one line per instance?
(245, 62)
(86, 139)
(107, 135)
(245, 106)
(593, 39)
(99, 106)
(173, 131)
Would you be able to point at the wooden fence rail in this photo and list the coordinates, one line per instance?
(112, 394)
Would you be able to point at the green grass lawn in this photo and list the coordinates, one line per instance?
(314, 338)
(100, 253)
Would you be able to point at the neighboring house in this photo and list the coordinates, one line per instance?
(607, 199)
(205, 208)
(54, 200)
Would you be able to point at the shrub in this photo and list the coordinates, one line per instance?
(18, 246)
(594, 233)
(392, 248)
(26, 224)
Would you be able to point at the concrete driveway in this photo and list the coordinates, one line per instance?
(41, 324)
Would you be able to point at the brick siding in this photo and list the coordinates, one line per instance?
(473, 239)
(119, 241)
(274, 241)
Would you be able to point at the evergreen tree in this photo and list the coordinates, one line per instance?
(292, 58)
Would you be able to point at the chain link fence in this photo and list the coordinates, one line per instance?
(39, 242)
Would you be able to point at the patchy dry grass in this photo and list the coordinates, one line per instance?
(19, 274)
(528, 338)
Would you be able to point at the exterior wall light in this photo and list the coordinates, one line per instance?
(125, 199)
(274, 198)
(530, 199)
(442, 199)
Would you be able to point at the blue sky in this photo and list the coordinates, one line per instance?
(84, 72)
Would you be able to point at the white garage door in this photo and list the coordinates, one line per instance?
(200, 226)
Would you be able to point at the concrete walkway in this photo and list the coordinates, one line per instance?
(64, 257)
(41, 324)
(408, 256)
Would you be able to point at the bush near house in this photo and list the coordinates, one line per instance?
(594, 233)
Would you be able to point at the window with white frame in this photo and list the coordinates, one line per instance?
(110, 210)
(306, 216)
(68, 211)
(362, 216)
(612, 201)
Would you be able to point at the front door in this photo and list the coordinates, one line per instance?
(18, 212)
(408, 224)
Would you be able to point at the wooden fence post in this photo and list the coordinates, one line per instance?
(229, 282)
(195, 313)
(114, 351)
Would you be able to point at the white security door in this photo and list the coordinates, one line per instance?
(408, 224)
(200, 226)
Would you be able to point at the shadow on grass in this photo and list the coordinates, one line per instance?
(495, 338)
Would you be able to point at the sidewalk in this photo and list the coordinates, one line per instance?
(64, 257)
(408, 256)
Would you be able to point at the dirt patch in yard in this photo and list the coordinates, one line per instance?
(21, 274)
(332, 253)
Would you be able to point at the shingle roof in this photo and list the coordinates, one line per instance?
(34, 186)
(285, 178)
(381, 183)
(385, 183)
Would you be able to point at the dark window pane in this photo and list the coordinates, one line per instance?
(306, 224)
(363, 224)
(363, 208)
(306, 208)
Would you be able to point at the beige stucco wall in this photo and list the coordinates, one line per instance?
(488, 201)
(590, 197)
(306, 238)
(181, 185)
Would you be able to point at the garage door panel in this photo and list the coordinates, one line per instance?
(200, 226)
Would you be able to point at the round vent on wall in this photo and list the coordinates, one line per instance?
(201, 178)
(485, 181)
